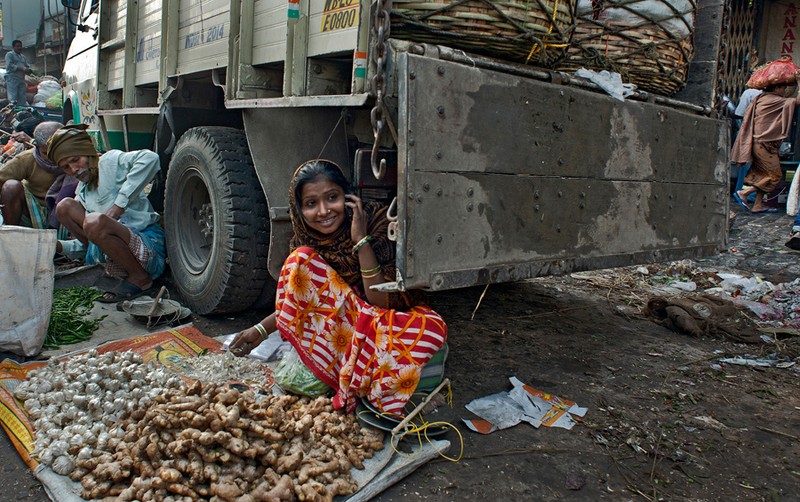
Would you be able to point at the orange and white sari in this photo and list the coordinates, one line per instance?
(356, 348)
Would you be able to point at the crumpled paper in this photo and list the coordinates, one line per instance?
(522, 403)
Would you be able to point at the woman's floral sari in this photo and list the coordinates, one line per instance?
(358, 349)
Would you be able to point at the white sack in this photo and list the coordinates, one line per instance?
(26, 292)
(677, 16)
(794, 194)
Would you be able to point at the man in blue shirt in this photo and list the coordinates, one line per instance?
(16, 69)
(110, 218)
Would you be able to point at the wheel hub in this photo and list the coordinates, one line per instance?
(206, 220)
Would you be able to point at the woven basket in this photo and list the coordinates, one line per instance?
(529, 31)
(648, 56)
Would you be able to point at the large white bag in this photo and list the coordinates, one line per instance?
(794, 194)
(26, 287)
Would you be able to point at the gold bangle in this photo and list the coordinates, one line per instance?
(370, 276)
(261, 330)
(370, 270)
(360, 243)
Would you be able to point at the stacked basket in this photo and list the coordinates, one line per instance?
(534, 31)
(649, 42)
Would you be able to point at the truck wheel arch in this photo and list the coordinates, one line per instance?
(216, 221)
(71, 108)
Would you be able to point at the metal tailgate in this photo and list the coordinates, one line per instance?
(504, 178)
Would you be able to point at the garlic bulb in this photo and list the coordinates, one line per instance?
(76, 401)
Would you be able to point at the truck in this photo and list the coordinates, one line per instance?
(494, 170)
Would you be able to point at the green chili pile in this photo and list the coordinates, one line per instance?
(69, 318)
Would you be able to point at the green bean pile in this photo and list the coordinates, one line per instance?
(69, 318)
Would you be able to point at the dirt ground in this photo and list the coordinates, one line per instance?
(665, 420)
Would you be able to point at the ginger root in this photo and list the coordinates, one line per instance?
(207, 442)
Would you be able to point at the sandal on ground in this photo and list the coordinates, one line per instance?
(794, 241)
(740, 200)
(122, 291)
(765, 210)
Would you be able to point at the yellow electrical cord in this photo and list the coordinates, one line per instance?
(422, 430)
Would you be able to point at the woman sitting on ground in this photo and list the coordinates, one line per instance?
(360, 342)
(767, 122)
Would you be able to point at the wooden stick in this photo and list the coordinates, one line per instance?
(156, 302)
(479, 303)
(419, 407)
(784, 434)
(31, 145)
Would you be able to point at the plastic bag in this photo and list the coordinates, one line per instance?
(294, 376)
(778, 72)
(55, 102)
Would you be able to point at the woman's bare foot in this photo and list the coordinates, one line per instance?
(744, 193)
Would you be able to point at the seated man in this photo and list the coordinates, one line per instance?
(110, 218)
(26, 179)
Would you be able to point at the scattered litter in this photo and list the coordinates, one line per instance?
(684, 285)
(741, 361)
(748, 286)
(762, 310)
(773, 360)
(522, 403)
(711, 422)
(633, 443)
(642, 270)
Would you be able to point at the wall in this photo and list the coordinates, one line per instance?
(780, 31)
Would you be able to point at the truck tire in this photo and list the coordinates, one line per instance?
(216, 223)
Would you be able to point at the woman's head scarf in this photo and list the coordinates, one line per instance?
(337, 248)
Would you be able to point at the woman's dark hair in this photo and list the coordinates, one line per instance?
(311, 170)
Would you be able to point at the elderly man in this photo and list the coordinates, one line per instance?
(26, 180)
(16, 69)
(110, 218)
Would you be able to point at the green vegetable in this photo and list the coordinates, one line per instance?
(293, 375)
(69, 317)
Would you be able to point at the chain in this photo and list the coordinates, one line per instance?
(380, 26)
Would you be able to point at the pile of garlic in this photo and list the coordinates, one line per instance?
(75, 402)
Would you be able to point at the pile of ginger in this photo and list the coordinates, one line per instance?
(216, 443)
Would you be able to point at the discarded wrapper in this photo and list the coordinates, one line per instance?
(522, 403)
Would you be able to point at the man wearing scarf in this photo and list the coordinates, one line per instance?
(110, 218)
(26, 180)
